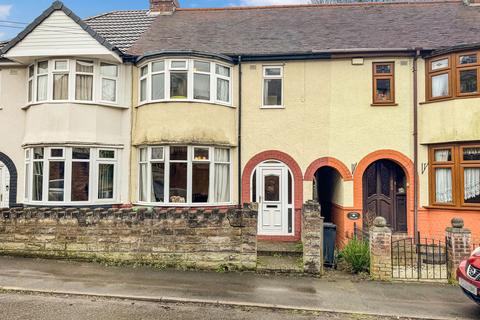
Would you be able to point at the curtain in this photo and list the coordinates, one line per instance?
(472, 183)
(442, 155)
(105, 181)
(222, 176)
(443, 184)
(440, 85)
(109, 88)
(223, 90)
(42, 82)
(60, 87)
(143, 182)
(84, 87)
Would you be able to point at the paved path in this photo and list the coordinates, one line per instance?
(432, 301)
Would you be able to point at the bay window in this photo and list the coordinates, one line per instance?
(185, 79)
(455, 175)
(70, 175)
(62, 80)
(184, 175)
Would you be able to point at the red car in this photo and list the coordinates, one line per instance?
(468, 274)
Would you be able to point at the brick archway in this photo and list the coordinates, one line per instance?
(12, 200)
(328, 162)
(399, 158)
(298, 186)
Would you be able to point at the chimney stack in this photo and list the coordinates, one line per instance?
(163, 7)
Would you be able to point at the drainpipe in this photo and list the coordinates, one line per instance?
(415, 144)
(239, 138)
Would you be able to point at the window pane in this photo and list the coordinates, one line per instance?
(56, 153)
(158, 86)
(200, 154)
(273, 71)
(42, 67)
(144, 71)
(272, 188)
(143, 90)
(200, 182)
(42, 83)
(467, 59)
(27, 180)
(223, 90)
(84, 66)
(143, 184)
(384, 90)
(440, 64)
(201, 86)
(178, 183)
(272, 92)
(157, 153)
(222, 155)
(158, 66)
(383, 68)
(80, 181)
(38, 153)
(472, 185)
(222, 183)
(223, 71)
(84, 87)
(30, 90)
(37, 182)
(106, 154)
(179, 64)
(109, 90)
(109, 70)
(471, 154)
(443, 155)
(158, 182)
(468, 81)
(61, 65)
(443, 185)
(105, 180)
(178, 153)
(201, 66)
(178, 85)
(56, 182)
(31, 71)
(440, 85)
(60, 87)
(81, 153)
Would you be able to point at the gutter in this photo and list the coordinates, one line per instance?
(415, 145)
(239, 138)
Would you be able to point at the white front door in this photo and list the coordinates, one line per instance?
(272, 199)
(4, 186)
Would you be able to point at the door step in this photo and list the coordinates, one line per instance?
(279, 249)
(279, 264)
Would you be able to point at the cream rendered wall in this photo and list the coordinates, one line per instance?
(183, 123)
(327, 112)
(12, 119)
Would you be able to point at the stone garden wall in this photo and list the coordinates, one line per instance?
(202, 239)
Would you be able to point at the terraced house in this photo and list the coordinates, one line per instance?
(373, 109)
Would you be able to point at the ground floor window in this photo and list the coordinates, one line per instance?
(70, 175)
(188, 175)
(455, 175)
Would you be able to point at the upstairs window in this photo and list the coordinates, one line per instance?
(109, 76)
(273, 86)
(84, 80)
(31, 80)
(60, 80)
(454, 75)
(383, 83)
(42, 80)
(190, 80)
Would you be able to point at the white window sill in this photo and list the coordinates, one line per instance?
(70, 204)
(272, 107)
(100, 104)
(184, 101)
(183, 205)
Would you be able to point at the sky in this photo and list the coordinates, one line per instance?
(22, 12)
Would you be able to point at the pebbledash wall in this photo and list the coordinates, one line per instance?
(202, 239)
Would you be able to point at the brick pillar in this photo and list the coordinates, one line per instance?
(312, 238)
(458, 240)
(380, 250)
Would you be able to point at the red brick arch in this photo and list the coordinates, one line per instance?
(328, 162)
(297, 181)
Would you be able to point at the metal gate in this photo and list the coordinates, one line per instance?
(425, 259)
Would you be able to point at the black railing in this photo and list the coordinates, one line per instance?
(360, 233)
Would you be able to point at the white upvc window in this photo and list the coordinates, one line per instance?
(184, 175)
(75, 80)
(71, 175)
(272, 87)
(185, 80)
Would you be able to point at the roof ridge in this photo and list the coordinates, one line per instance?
(329, 5)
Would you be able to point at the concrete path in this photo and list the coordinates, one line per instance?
(430, 301)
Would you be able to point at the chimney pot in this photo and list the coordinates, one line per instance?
(163, 6)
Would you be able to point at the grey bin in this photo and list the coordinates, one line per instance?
(329, 237)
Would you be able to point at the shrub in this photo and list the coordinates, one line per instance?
(355, 256)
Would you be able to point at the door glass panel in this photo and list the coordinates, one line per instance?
(272, 188)
(471, 185)
(385, 180)
(290, 188)
(371, 181)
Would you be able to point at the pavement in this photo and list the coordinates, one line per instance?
(329, 294)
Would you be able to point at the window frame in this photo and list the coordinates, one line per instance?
(67, 157)
(103, 77)
(190, 161)
(457, 165)
(437, 72)
(383, 76)
(275, 77)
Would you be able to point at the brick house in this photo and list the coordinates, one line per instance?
(373, 109)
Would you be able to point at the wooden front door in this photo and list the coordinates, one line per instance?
(384, 195)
